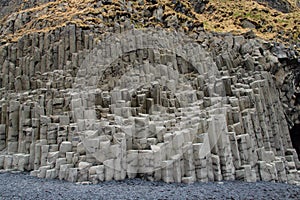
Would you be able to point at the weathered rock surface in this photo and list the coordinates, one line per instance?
(148, 103)
(18, 18)
(280, 5)
(10, 6)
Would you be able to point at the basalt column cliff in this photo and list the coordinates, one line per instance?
(101, 90)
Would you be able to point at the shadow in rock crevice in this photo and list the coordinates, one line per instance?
(295, 137)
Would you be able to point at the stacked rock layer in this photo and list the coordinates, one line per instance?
(144, 103)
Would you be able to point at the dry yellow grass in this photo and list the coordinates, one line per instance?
(270, 22)
(220, 16)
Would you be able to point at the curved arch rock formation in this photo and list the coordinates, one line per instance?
(147, 103)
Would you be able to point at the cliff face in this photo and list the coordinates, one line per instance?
(9, 7)
(213, 15)
(280, 5)
(89, 94)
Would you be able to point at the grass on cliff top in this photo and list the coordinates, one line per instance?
(269, 22)
(219, 16)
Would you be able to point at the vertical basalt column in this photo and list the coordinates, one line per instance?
(5, 76)
(177, 175)
(200, 163)
(188, 159)
(44, 154)
(257, 130)
(61, 53)
(263, 125)
(12, 69)
(167, 171)
(109, 169)
(223, 145)
(265, 122)
(37, 156)
(282, 137)
(44, 122)
(79, 38)
(36, 112)
(52, 133)
(157, 154)
(25, 123)
(251, 144)
(216, 166)
(66, 39)
(121, 161)
(4, 122)
(62, 134)
(2, 136)
(132, 163)
(269, 111)
(234, 150)
(28, 135)
(72, 38)
(13, 128)
(3, 55)
(4, 114)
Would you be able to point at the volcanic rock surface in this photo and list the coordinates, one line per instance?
(102, 90)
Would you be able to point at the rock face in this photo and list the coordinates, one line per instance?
(147, 103)
(10, 6)
(280, 5)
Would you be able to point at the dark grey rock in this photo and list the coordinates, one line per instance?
(199, 5)
(280, 5)
(248, 24)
